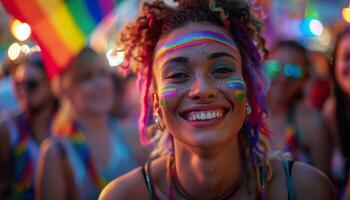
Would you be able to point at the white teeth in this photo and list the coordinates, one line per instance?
(209, 115)
(194, 116)
(203, 116)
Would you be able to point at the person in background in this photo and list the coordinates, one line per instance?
(119, 93)
(337, 107)
(21, 135)
(8, 100)
(297, 127)
(124, 106)
(199, 69)
(89, 147)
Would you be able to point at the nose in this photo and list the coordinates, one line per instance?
(203, 89)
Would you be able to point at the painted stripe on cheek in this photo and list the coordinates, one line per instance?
(239, 87)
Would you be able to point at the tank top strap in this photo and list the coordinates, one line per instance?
(146, 172)
(288, 166)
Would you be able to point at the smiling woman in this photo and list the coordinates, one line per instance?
(203, 61)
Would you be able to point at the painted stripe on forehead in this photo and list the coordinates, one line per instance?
(194, 39)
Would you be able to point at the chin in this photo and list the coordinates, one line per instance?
(206, 138)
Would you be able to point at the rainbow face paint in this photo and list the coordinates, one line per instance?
(239, 87)
(169, 92)
(166, 92)
(194, 39)
(163, 102)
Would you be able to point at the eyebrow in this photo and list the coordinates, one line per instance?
(177, 60)
(220, 54)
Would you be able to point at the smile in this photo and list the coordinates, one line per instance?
(201, 114)
(204, 115)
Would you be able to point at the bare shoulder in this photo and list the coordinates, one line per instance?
(311, 183)
(50, 162)
(128, 186)
(307, 182)
(53, 167)
(49, 149)
(133, 186)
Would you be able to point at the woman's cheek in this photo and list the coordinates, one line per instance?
(235, 85)
(169, 93)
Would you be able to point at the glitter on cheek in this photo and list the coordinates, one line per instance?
(221, 84)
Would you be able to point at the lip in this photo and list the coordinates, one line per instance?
(204, 123)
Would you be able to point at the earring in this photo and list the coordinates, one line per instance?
(157, 121)
(248, 108)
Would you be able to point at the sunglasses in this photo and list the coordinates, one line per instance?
(272, 69)
(29, 85)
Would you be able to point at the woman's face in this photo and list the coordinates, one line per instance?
(285, 88)
(93, 90)
(32, 88)
(342, 67)
(200, 91)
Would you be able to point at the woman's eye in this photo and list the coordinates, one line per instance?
(177, 76)
(223, 70)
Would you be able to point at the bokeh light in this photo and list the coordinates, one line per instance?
(316, 27)
(35, 48)
(346, 14)
(115, 57)
(14, 51)
(325, 38)
(311, 27)
(25, 49)
(21, 31)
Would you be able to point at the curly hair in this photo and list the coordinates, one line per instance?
(139, 38)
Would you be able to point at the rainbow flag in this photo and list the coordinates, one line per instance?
(60, 27)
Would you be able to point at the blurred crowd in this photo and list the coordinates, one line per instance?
(85, 120)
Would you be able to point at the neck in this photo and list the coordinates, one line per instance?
(93, 124)
(209, 169)
(40, 122)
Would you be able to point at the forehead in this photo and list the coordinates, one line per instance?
(190, 37)
(288, 55)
